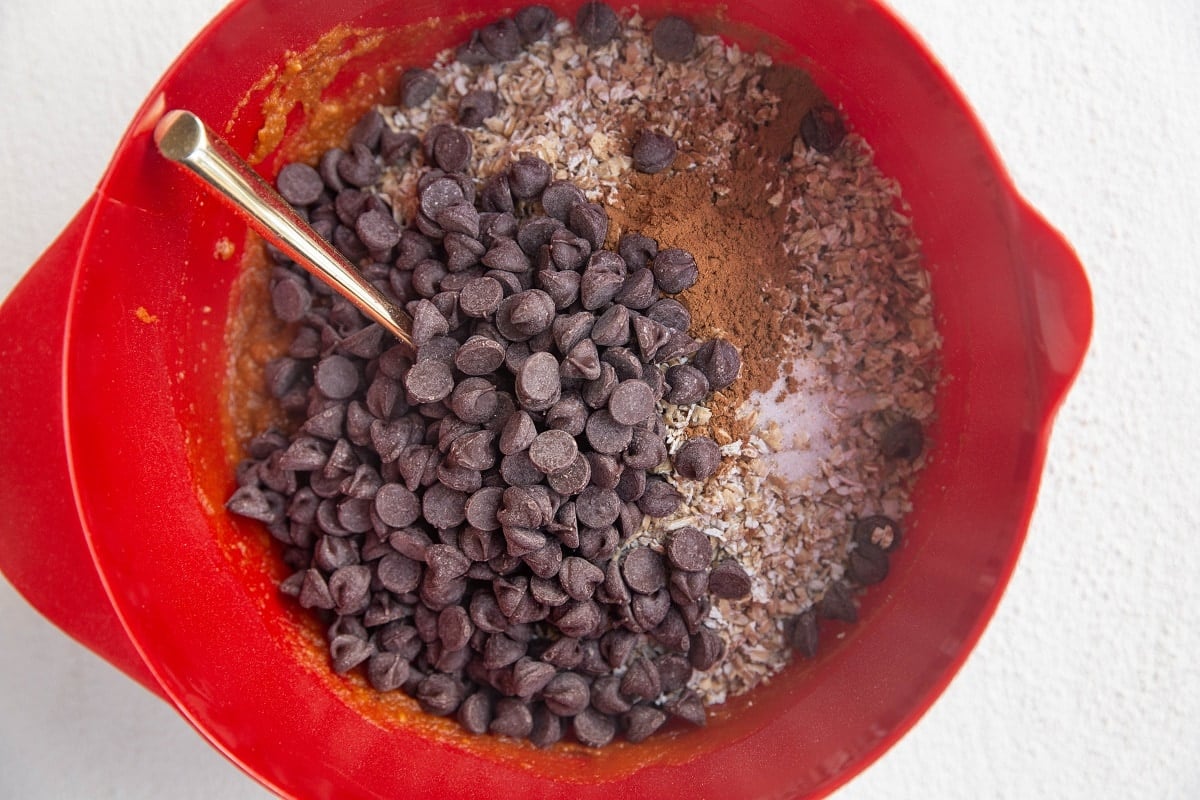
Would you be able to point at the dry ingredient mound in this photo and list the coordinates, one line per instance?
(808, 264)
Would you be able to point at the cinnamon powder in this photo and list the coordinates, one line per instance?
(732, 221)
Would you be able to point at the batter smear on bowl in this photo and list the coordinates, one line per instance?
(676, 355)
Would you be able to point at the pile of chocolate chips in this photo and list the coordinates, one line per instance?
(460, 515)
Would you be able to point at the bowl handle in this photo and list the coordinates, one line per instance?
(1062, 306)
(43, 551)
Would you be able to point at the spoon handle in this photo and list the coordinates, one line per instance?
(182, 137)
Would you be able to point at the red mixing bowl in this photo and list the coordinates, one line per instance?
(123, 355)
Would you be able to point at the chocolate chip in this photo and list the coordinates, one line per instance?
(605, 434)
(577, 619)
(570, 329)
(336, 377)
(650, 336)
(348, 651)
(582, 362)
(428, 323)
(867, 564)
(675, 270)
(643, 570)
(529, 176)
(396, 506)
(553, 450)
(638, 291)
(531, 676)
(450, 148)
(728, 580)
(720, 362)
(518, 433)
(253, 503)
(705, 649)
(837, 603)
(559, 197)
(687, 588)
(698, 458)
(473, 52)
(533, 233)
(631, 402)
(396, 146)
(562, 286)
(439, 195)
(595, 393)
(526, 313)
(689, 549)
(571, 479)
(882, 532)
(480, 297)
(479, 356)
(547, 726)
(689, 708)
(611, 329)
(688, 385)
(801, 634)
(482, 506)
(642, 721)
(327, 168)
(378, 231)
(538, 386)
(501, 38)
(412, 543)
(670, 312)
(592, 728)
(579, 577)
(349, 587)
(822, 129)
(660, 499)
(534, 22)
(653, 152)
(461, 218)
(454, 627)
(505, 254)
(439, 694)
(674, 39)
(568, 251)
(472, 451)
(300, 184)
(496, 196)
(590, 222)
(641, 680)
(512, 717)
(387, 671)
(290, 301)
(566, 694)
(429, 381)
(518, 470)
(475, 713)
(632, 484)
(443, 507)
(416, 86)
(606, 696)
(904, 439)
(368, 130)
(598, 288)
(358, 168)
(596, 23)
(568, 414)
(597, 508)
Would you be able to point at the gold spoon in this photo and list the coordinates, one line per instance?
(182, 137)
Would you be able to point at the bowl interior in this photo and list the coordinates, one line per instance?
(147, 360)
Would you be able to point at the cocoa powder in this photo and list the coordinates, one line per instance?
(732, 221)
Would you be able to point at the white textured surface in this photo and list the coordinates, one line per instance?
(1085, 685)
